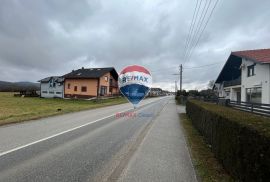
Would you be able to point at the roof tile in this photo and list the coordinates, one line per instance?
(259, 55)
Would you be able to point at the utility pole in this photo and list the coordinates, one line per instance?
(175, 88)
(181, 75)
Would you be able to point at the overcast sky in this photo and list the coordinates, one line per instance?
(52, 37)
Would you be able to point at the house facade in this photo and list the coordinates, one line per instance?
(52, 87)
(156, 92)
(91, 82)
(246, 77)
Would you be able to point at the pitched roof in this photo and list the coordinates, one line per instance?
(259, 55)
(91, 73)
(58, 79)
(156, 89)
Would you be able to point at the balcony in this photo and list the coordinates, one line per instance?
(113, 84)
(232, 82)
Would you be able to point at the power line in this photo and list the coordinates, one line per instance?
(190, 27)
(194, 23)
(203, 66)
(200, 35)
(195, 33)
(199, 21)
(198, 28)
(163, 69)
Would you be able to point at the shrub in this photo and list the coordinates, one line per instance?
(239, 140)
(181, 99)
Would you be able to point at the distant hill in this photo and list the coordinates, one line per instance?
(18, 86)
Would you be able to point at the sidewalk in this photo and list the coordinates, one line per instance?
(163, 154)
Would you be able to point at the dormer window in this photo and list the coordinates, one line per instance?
(251, 70)
(79, 74)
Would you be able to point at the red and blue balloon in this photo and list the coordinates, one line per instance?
(135, 83)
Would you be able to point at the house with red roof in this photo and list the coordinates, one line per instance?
(245, 77)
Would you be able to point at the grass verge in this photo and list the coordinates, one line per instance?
(17, 109)
(207, 167)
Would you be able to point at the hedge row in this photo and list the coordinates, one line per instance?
(181, 99)
(239, 140)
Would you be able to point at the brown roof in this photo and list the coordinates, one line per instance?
(91, 73)
(259, 55)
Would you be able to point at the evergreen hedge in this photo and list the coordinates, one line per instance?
(239, 140)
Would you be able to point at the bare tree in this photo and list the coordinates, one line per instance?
(211, 84)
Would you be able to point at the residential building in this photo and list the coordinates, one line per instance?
(246, 77)
(52, 87)
(155, 92)
(91, 82)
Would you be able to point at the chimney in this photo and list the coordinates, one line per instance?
(82, 68)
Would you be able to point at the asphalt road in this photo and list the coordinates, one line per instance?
(92, 145)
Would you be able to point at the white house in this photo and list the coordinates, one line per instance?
(156, 92)
(246, 77)
(52, 87)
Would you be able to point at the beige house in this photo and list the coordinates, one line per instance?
(91, 82)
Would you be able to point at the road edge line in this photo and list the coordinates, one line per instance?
(66, 131)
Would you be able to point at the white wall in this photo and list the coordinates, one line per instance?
(46, 87)
(232, 92)
(220, 90)
(233, 95)
(260, 79)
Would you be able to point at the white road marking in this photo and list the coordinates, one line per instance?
(55, 135)
(63, 132)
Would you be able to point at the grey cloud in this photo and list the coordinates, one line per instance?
(41, 38)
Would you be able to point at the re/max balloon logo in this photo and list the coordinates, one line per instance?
(134, 78)
(134, 83)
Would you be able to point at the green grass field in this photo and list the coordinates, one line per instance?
(17, 109)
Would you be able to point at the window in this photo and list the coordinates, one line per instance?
(103, 90)
(227, 94)
(51, 92)
(250, 70)
(58, 92)
(254, 94)
(106, 78)
(84, 89)
(44, 92)
(69, 86)
(75, 88)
